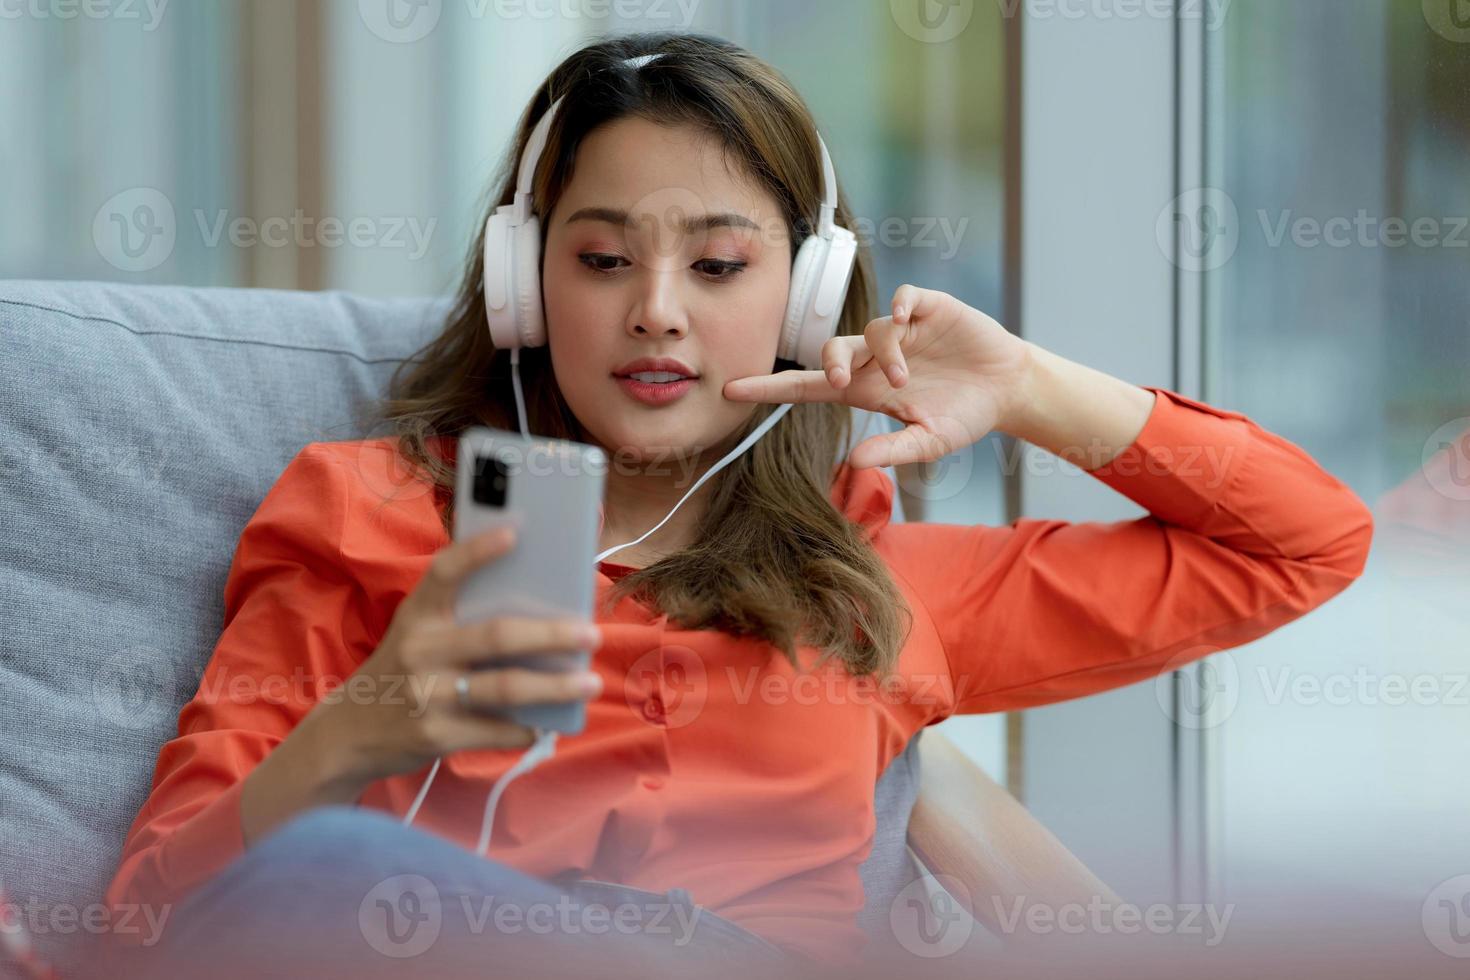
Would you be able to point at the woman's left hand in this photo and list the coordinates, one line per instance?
(946, 370)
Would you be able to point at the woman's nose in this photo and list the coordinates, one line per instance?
(647, 328)
(658, 312)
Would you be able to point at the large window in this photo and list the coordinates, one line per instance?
(1338, 318)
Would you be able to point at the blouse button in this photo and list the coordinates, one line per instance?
(652, 782)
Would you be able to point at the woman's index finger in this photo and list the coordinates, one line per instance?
(785, 386)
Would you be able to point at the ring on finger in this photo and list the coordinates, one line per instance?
(462, 690)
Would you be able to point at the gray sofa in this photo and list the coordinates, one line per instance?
(139, 429)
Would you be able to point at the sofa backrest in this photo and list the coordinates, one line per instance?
(140, 427)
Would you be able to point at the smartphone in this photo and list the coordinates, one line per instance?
(550, 490)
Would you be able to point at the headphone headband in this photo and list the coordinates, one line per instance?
(536, 145)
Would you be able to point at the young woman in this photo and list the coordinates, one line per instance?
(761, 657)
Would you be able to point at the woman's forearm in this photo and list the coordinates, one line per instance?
(1083, 415)
(306, 770)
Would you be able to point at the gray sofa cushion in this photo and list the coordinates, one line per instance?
(139, 429)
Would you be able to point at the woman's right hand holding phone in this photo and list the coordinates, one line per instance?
(413, 712)
(430, 651)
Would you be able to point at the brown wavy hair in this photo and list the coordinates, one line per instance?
(772, 558)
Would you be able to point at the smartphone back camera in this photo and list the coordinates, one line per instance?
(490, 481)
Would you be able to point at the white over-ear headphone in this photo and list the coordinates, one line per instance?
(820, 274)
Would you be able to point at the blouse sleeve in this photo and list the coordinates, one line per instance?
(1245, 532)
(293, 624)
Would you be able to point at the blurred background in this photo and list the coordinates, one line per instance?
(1260, 203)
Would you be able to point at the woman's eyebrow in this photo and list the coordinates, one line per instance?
(697, 223)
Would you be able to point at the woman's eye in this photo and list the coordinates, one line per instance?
(719, 269)
(600, 262)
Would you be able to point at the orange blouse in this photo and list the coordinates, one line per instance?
(707, 762)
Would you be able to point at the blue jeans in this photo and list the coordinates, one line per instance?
(347, 891)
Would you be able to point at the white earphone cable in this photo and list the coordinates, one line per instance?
(418, 801)
(515, 382)
(539, 752)
(745, 444)
(545, 742)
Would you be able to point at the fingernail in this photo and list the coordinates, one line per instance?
(895, 373)
(899, 312)
(591, 637)
(589, 683)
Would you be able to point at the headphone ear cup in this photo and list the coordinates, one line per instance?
(531, 317)
(820, 280)
(498, 283)
(804, 274)
(512, 282)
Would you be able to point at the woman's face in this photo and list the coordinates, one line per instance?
(656, 250)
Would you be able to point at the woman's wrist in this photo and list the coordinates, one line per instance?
(313, 766)
(1079, 413)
